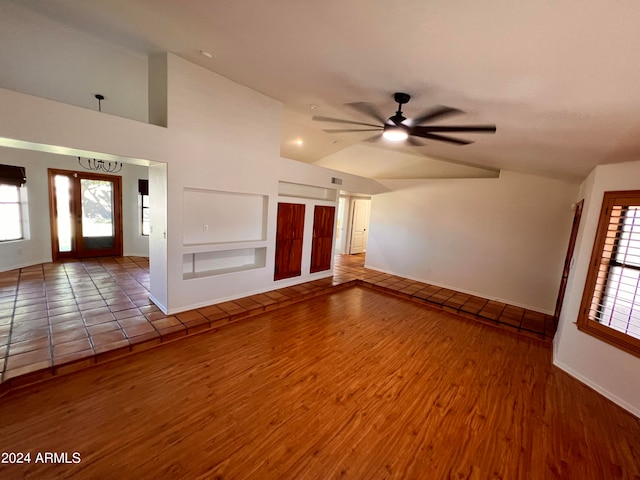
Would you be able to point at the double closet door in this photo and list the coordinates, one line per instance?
(86, 214)
(322, 241)
(290, 237)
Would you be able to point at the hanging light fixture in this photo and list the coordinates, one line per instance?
(100, 165)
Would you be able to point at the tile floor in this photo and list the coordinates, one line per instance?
(64, 316)
(521, 320)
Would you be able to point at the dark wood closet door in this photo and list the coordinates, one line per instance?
(322, 244)
(289, 235)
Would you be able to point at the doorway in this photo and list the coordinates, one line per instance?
(360, 225)
(341, 221)
(577, 214)
(352, 225)
(86, 214)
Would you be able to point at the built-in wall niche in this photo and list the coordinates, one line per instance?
(206, 264)
(288, 189)
(215, 217)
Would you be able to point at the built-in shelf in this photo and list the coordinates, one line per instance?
(220, 262)
(217, 217)
(218, 247)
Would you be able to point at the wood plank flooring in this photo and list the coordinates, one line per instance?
(65, 316)
(355, 384)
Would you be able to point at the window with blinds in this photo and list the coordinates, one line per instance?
(610, 306)
(11, 208)
(145, 217)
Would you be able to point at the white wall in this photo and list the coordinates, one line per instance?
(375, 162)
(46, 58)
(607, 369)
(502, 238)
(220, 136)
(234, 146)
(37, 248)
(134, 243)
(157, 237)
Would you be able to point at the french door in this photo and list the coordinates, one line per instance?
(86, 214)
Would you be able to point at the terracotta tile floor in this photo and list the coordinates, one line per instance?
(61, 317)
(521, 320)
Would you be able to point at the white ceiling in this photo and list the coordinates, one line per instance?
(559, 78)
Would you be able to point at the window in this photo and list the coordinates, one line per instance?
(610, 307)
(145, 220)
(10, 212)
(11, 180)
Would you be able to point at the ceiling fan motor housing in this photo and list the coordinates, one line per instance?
(401, 98)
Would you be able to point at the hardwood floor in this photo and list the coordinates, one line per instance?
(354, 384)
(61, 317)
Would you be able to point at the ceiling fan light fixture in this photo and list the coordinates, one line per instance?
(394, 133)
(398, 128)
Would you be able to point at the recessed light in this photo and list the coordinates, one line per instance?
(299, 142)
(313, 106)
(204, 53)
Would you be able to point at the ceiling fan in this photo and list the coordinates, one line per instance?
(398, 128)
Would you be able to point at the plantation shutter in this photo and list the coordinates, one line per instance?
(611, 304)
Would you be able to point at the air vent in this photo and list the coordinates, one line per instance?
(336, 181)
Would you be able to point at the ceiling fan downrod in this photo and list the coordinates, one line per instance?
(401, 99)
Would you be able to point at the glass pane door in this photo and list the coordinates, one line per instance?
(86, 218)
(63, 218)
(97, 214)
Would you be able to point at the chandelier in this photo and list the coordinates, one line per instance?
(100, 165)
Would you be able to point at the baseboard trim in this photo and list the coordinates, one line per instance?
(158, 304)
(8, 268)
(458, 289)
(276, 285)
(598, 388)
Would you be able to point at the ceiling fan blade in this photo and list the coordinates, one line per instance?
(349, 130)
(434, 113)
(440, 138)
(375, 138)
(413, 142)
(457, 128)
(339, 120)
(368, 109)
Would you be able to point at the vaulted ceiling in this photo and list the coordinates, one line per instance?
(559, 78)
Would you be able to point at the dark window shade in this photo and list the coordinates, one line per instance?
(11, 175)
(143, 187)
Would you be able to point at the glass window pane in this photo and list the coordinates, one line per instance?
(11, 225)
(97, 208)
(146, 222)
(63, 191)
(9, 193)
(628, 251)
(621, 300)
